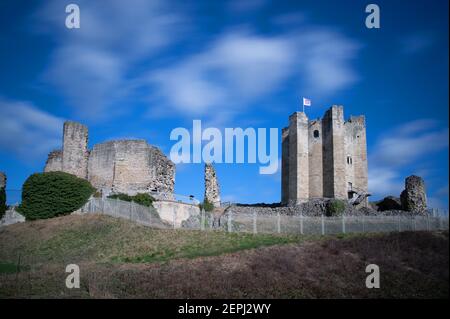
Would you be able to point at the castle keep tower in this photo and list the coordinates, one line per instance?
(324, 158)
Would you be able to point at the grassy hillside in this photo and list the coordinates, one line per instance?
(120, 259)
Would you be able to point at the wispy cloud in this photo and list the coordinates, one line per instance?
(416, 43)
(108, 60)
(26, 131)
(91, 65)
(242, 66)
(410, 143)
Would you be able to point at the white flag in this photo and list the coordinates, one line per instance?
(306, 102)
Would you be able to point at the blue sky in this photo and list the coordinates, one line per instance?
(138, 69)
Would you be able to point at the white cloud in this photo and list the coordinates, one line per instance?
(26, 131)
(99, 66)
(91, 65)
(407, 144)
(384, 181)
(241, 67)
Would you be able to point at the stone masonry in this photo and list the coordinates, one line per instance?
(121, 166)
(323, 158)
(2, 180)
(414, 198)
(212, 191)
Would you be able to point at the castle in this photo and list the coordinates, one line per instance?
(324, 158)
(120, 166)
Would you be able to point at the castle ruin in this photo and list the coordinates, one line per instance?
(324, 158)
(120, 166)
(212, 190)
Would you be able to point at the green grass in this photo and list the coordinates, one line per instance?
(104, 239)
(118, 259)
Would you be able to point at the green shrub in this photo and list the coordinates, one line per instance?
(206, 205)
(141, 198)
(121, 196)
(335, 207)
(47, 195)
(3, 206)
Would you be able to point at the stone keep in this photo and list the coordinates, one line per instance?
(323, 158)
(212, 191)
(121, 166)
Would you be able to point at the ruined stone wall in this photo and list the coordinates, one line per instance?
(298, 158)
(125, 166)
(285, 166)
(163, 170)
(2, 180)
(414, 197)
(75, 149)
(54, 161)
(130, 166)
(315, 159)
(212, 190)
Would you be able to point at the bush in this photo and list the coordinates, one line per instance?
(206, 205)
(141, 198)
(335, 207)
(3, 206)
(47, 195)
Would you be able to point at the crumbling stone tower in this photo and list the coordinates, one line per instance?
(212, 191)
(324, 158)
(75, 152)
(73, 158)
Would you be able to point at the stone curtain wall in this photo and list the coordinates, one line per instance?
(54, 161)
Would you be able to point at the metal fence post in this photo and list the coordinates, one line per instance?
(229, 222)
(255, 229)
(398, 222)
(278, 223)
(131, 210)
(202, 219)
(428, 222)
(173, 217)
(414, 223)
(301, 223)
(364, 223)
(343, 223)
(323, 225)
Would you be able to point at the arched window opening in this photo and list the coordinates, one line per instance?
(316, 134)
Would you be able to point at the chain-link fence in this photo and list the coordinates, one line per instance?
(269, 223)
(144, 215)
(298, 224)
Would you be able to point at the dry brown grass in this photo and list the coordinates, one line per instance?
(412, 265)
